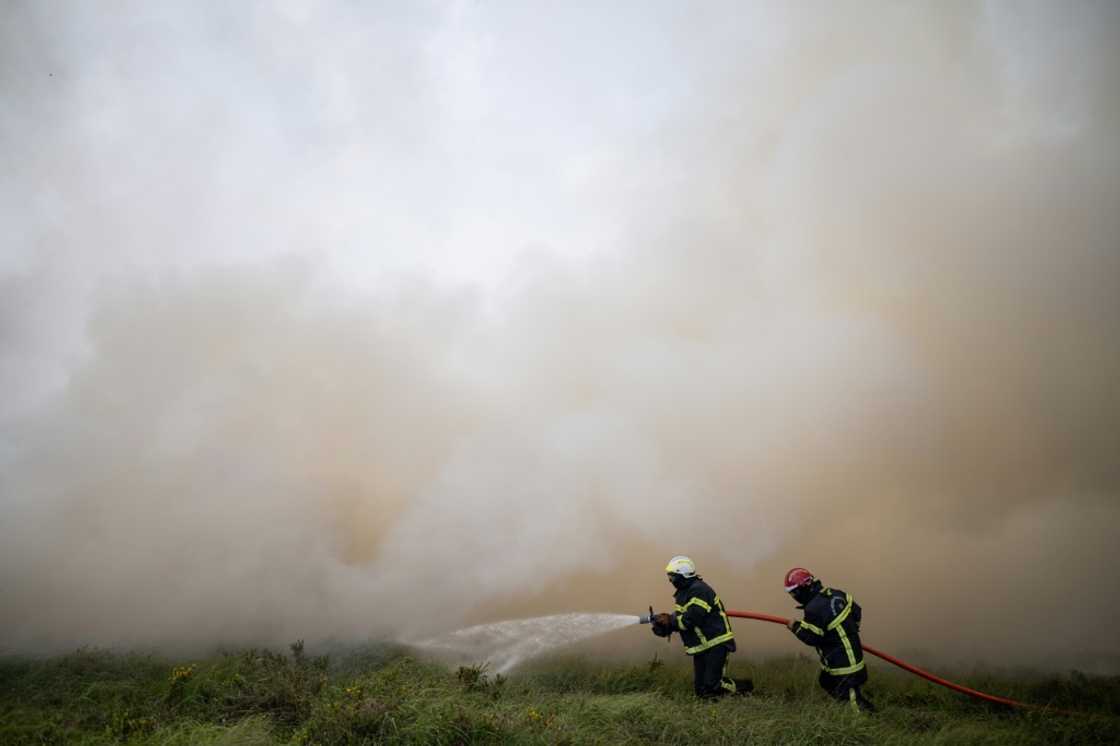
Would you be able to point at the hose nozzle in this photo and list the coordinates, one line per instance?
(646, 618)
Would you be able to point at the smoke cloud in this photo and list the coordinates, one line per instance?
(356, 322)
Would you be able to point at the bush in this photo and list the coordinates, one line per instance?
(249, 683)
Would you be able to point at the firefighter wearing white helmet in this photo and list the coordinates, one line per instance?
(700, 620)
(681, 565)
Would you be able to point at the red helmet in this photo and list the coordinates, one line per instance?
(798, 577)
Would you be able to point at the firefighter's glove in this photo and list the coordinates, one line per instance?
(662, 624)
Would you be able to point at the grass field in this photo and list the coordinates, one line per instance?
(381, 694)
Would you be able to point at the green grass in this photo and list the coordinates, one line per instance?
(378, 694)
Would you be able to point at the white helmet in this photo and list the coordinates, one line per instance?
(681, 565)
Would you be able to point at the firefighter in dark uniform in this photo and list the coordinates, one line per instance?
(704, 628)
(831, 625)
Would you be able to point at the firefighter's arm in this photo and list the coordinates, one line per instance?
(805, 630)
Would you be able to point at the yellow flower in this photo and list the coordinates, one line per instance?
(181, 673)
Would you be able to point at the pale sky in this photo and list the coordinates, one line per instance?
(441, 141)
(432, 140)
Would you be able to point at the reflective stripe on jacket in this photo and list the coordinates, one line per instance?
(700, 618)
(831, 625)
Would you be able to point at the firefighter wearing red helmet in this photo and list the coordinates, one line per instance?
(831, 625)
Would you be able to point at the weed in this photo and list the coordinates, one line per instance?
(259, 696)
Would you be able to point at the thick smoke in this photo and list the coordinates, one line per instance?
(363, 323)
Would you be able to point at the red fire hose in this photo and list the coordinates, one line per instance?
(901, 664)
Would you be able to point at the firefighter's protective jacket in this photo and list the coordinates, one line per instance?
(700, 618)
(831, 625)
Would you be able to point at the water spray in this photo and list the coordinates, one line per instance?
(507, 644)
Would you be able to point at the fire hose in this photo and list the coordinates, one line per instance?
(901, 664)
(891, 659)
